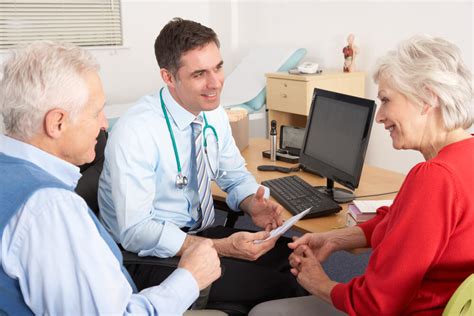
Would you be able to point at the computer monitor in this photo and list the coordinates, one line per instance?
(336, 139)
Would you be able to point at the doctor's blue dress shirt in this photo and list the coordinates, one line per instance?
(139, 201)
(64, 267)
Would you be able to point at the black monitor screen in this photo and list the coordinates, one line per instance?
(337, 135)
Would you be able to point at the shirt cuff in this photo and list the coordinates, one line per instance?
(239, 193)
(175, 294)
(338, 295)
(170, 242)
(184, 285)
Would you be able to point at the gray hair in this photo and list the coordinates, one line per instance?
(39, 77)
(424, 65)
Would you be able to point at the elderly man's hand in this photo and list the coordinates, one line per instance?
(265, 213)
(201, 259)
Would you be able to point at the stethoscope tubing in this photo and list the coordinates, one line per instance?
(181, 180)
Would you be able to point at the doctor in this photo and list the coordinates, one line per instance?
(154, 191)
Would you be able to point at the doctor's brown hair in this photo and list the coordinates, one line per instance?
(178, 37)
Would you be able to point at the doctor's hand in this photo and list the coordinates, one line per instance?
(201, 259)
(241, 245)
(265, 213)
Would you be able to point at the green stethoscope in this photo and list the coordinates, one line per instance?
(182, 180)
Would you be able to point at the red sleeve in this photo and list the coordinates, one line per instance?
(369, 226)
(410, 239)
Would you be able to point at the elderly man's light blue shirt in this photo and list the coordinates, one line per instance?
(64, 267)
(139, 201)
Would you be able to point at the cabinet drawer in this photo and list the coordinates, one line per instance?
(288, 96)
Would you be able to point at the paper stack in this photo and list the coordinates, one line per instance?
(362, 210)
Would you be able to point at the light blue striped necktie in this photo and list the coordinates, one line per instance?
(206, 218)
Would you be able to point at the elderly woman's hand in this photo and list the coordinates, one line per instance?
(309, 273)
(324, 244)
(320, 244)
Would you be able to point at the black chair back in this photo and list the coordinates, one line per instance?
(88, 185)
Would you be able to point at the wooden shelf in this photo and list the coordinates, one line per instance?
(289, 96)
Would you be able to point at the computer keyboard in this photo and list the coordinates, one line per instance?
(296, 195)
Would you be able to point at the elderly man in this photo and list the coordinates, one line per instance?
(56, 258)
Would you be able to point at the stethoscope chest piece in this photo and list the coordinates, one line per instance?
(181, 181)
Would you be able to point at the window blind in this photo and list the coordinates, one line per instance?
(82, 22)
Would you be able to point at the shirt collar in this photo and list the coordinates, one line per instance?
(181, 117)
(61, 169)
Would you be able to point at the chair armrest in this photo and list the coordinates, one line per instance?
(133, 258)
(232, 216)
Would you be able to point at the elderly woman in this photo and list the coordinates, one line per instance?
(422, 244)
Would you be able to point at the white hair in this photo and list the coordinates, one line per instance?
(424, 67)
(39, 77)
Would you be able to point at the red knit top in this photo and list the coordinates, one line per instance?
(423, 245)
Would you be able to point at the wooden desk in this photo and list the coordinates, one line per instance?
(373, 180)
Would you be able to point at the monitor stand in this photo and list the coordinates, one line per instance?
(339, 195)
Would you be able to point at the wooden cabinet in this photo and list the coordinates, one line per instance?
(289, 96)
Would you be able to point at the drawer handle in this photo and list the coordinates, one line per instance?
(285, 85)
(283, 95)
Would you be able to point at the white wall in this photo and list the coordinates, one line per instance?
(131, 72)
(320, 26)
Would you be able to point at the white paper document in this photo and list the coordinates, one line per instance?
(286, 225)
